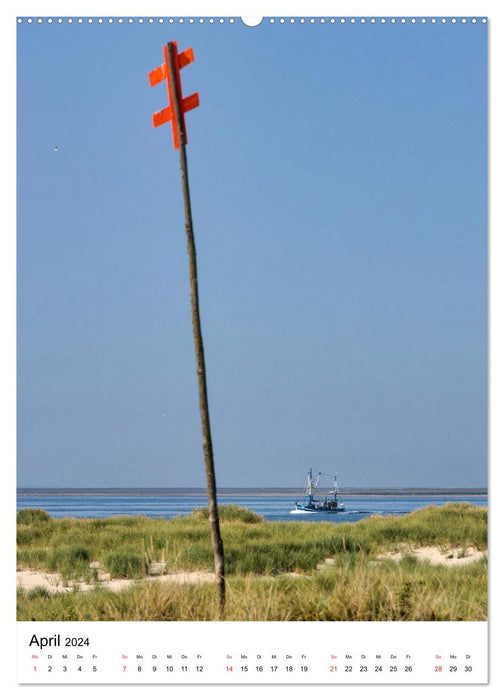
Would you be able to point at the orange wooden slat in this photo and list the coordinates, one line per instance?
(161, 117)
(157, 75)
(190, 102)
(185, 57)
(171, 100)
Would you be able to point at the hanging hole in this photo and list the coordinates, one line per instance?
(252, 21)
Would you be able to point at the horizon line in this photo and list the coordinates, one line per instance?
(246, 488)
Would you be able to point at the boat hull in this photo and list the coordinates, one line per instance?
(315, 509)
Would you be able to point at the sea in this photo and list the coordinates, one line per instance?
(273, 507)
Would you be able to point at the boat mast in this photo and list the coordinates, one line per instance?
(336, 489)
(309, 490)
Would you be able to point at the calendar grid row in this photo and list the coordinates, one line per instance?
(253, 665)
(183, 653)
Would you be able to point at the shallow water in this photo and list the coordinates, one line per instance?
(274, 508)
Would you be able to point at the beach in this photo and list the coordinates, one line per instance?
(426, 564)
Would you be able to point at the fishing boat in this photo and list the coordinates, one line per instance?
(324, 504)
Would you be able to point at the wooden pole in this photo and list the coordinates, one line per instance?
(217, 545)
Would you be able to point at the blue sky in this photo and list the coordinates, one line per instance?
(339, 200)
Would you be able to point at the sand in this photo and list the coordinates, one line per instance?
(437, 556)
(29, 579)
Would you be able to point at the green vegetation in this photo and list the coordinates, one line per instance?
(126, 563)
(230, 513)
(261, 558)
(32, 516)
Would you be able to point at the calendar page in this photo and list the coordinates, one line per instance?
(252, 349)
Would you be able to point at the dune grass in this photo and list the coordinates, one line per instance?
(260, 559)
(351, 590)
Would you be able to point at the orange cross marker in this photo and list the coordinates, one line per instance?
(162, 73)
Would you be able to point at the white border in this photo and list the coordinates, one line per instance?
(7, 279)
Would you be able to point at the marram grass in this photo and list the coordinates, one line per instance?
(261, 558)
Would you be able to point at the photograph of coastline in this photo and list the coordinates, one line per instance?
(338, 189)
